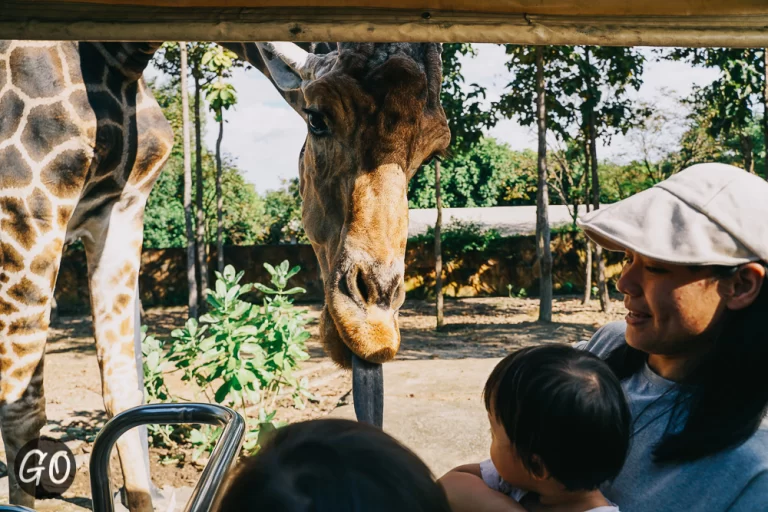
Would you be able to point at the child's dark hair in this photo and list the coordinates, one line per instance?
(332, 465)
(562, 409)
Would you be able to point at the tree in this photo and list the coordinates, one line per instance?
(438, 251)
(543, 249)
(283, 213)
(244, 215)
(192, 301)
(732, 98)
(220, 96)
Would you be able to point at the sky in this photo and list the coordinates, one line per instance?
(264, 135)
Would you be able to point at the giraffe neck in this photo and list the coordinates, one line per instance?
(127, 59)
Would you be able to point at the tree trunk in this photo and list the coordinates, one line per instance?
(765, 111)
(192, 304)
(543, 250)
(588, 262)
(219, 200)
(202, 263)
(602, 286)
(438, 249)
(747, 151)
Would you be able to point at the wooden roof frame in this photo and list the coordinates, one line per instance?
(695, 23)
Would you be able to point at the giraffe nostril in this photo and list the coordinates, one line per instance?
(362, 288)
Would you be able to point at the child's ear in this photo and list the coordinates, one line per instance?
(539, 469)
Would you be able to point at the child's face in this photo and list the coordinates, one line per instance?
(505, 458)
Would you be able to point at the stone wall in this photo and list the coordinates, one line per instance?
(512, 261)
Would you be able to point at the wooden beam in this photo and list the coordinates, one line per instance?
(540, 7)
(59, 20)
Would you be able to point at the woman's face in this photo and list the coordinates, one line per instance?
(673, 310)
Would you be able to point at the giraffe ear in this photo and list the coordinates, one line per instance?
(289, 64)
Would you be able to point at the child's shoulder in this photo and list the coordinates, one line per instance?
(607, 338)
(494, 481)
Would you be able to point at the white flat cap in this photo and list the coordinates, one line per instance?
(707, 214)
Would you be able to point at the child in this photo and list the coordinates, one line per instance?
(332, 465)
(560, 428)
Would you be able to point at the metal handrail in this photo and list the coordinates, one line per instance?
(14, 508)
(222, 457)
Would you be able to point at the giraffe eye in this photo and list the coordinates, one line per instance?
(316, 123)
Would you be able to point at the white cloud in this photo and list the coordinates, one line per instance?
(265, 135)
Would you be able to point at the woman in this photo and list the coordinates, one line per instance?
(692, 354)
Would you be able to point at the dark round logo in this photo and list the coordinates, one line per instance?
(45, 468)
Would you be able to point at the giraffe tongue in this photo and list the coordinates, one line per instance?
(368, 391)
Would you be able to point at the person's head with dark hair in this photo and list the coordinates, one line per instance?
(558, 416)
(332, 465)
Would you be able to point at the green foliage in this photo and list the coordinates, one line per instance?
(282, 221)
(731, 103)
(244, 210)
(487, 174)
(458, 239)
(240, 354)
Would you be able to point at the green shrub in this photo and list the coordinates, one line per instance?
(239, 354)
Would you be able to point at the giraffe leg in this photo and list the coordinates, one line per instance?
(26, 288)
(21, 423)
(114, 254)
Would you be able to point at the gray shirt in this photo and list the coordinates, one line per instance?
(734, 480)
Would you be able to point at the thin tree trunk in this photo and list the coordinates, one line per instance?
(588, 258)
(192, 304)
(747, 152)
(202, 264)
(602, 286)
(765, 111)
(438, 249)
(543, 250)
(219, 200)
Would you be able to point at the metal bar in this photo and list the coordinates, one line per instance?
(14, 508)
(368, 391)
(221, 460)
(87, 22)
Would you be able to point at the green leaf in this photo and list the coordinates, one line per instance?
(294, 291)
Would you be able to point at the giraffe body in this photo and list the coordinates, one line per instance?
(79, 153)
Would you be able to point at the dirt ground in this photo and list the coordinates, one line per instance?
(475, 328)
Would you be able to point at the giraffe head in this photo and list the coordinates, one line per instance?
(373, 118)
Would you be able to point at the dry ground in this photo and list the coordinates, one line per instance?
(475, 328)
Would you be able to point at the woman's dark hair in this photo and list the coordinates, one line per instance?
(726, 394)
(564, 409)
(332, 465)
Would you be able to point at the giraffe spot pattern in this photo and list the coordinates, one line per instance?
(122, 301)
(105, 108)
(114, 83)
(15, 171)
(26, 325)
(65, 174)
(152, 150)
(44, 262)
(12, 260)
(12, 108)
(26, 292)
(17, 222)
(47, 127)
(41, 209)
(4, 278)
(37, 71)
(63, 214)
(109, 144)
(79, 101)
(3, 76)
(6, 308)
(4, 45)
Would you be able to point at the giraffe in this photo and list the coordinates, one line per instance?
(82, 141)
